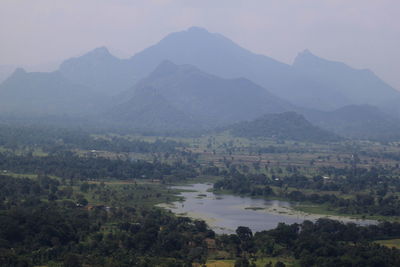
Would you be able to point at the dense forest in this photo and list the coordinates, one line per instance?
(37, 228)
(374, 190)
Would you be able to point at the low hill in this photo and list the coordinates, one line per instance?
(285, 126)
(358, 122)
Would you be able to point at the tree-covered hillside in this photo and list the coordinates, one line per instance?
(285, 126)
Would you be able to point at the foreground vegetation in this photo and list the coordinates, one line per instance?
(69, 198)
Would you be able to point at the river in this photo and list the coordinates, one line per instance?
(224, 213)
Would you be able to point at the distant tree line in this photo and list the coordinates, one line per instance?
(70, 166)
(374, 190)
(52, 139)
(322, 243)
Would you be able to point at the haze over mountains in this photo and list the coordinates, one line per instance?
(100, 70)
(6, 71)
(284, 126)
(38, 94)
(358, 121)
(356, 86)
(196, 79)
(206, 99)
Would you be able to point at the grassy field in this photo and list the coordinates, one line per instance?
(214, 148)
(325, 210)
(20, 175)
(130, 193)
(220, 263)
(390, 243)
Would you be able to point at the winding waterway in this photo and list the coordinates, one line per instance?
(224, 213)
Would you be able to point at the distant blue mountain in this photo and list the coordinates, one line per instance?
(188, 94)
(37, 94)
(359, 122)
(311, 82)
(199, 78)
(357, 86)
(99, 70)
(216, 54)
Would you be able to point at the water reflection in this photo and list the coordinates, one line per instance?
(224, 213)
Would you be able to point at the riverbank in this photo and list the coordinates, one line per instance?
(225, 212)
(313, 209)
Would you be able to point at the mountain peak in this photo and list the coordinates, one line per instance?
(166, 67)
(192, 35)
(100, 51)
(197, 29)
(18, 72)
(305, 56)
(306, 52)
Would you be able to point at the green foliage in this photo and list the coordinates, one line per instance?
(323, 243)
(35, 231)
(69, 165)
(52, 139)
(81, 209)
(372, 189)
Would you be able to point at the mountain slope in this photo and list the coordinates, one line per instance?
(212, 53)
(151, 111)
(6, 71)
(204, 98)
(310, 82)
(287, 126)
(359, 122)
(100, 71)
(216, 54)
(358, 86)
(37, 93)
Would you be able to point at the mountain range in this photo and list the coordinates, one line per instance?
(198, 79)
(310, 82)
(203, 98)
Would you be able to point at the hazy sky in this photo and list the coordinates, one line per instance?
(362, 33)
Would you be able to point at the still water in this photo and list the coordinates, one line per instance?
(224, 213)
